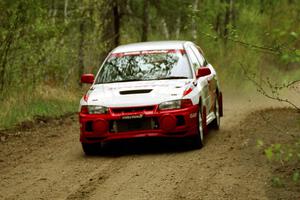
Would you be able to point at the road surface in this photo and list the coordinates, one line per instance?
(45, 161)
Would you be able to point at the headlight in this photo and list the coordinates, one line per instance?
(176, 104)
(93, 109)
(170, 105)
(97, 109)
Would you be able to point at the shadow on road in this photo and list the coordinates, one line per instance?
(140, 146)
(144, 146)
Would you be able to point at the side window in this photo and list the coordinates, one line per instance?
(200, 57)
(193, 59)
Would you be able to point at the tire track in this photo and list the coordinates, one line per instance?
(93, 182)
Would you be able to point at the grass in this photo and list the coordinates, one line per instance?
(44, 102)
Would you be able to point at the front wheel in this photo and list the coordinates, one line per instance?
(91, 149)
(197, 140)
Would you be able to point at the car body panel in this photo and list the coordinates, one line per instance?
(188, 129)
(109, 94)
(137, 96)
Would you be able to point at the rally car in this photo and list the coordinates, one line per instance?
(161, 89)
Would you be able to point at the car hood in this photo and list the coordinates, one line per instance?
(137, 93)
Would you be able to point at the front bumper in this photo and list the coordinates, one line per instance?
(138, 123)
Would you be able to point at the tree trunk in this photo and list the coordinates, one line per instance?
(218, 23)
(232, 13)
(81, 50)
(111, 24)
(117, 19)
(145, 21)
(178, 27)
(262, 6)
(194, 25)
(66, 10)
(4, 61)
(53, 10)
(7, 43)
(229, 18)
(165, 28)
(226, 20)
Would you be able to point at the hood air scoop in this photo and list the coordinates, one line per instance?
(125, 92)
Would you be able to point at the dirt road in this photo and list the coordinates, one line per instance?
(46, 162)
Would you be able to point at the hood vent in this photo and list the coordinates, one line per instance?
(125, 92)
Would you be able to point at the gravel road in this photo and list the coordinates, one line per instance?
(44, 160)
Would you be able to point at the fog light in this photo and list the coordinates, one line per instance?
(100, 126)
(167, 122)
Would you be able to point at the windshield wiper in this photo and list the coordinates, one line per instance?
(173, 77)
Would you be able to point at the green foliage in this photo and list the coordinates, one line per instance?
(288, 156)
(40, 44)
(296, 176)
(259, 143)
(19, 107)
(269, 153)
(277, 182)
(46, 35)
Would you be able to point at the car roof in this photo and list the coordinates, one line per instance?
(154, 45)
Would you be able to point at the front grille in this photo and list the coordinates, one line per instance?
(125, 125)
(131, 109)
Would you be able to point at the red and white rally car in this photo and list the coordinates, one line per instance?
(150, 89)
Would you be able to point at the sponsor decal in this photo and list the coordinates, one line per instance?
(133, 116)
(193, 115)
(145, 52)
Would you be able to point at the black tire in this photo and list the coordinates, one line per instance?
(91, 149)
(196, 141)
(217, 121)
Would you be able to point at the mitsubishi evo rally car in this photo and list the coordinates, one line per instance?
(151, 89)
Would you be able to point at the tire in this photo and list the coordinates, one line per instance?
(217, 121)
(91, 149)
(220, 100)
(204, 123)
(197, 140)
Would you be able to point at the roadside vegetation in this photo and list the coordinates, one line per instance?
(43, 102)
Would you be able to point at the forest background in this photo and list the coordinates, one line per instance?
(45, 46)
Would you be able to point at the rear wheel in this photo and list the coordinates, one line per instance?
(91, 149)
(217, 121)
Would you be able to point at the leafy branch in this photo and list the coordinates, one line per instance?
(288, 155)
(274, 88)
(276, 50)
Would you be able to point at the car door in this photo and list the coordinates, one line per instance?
(202, 83)
(212, 82)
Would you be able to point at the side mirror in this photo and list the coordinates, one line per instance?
(87, 78)
(203, 71)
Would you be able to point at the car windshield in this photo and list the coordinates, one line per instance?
(144, 66)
